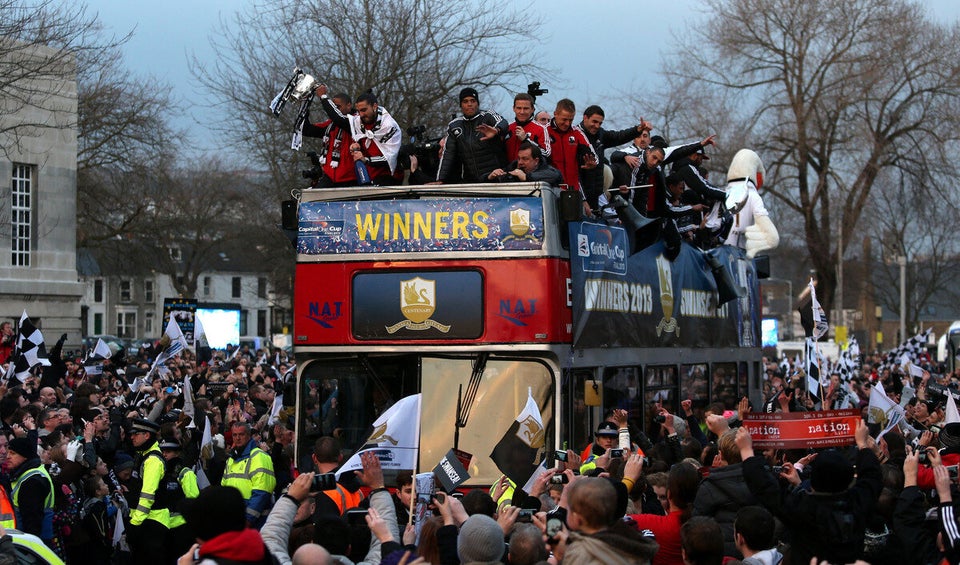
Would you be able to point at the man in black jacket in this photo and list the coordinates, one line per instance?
(530, 166)
(828, 522)
(600, 139)
(474, 145)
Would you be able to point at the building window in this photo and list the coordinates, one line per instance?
(98, 291)
(235, 282)
(175, 254)
(148, 324)
(21, 219)
(126, 291)
(207, 284)
(148, 291)
(98, 323)
(126, 323)
(261, 322)
(243, 322)
(262, 288)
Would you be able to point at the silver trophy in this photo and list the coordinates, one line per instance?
(299, 87)
(304, 87)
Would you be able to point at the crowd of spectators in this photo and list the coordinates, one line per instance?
(104, 466)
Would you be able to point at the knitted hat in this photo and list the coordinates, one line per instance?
(467, 92)
(122, 462)
(832, 472)
(215, 511)
(659, 141)
(23, 446)
(480, 540)
(950, 435)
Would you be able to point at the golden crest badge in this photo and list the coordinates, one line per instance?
(531, 433)
(379, 435)
(418, 301)
(520, 222)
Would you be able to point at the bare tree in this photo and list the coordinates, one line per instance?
(125, 139)
(921, 230)
(834, 96)
(414, 54)
(193, 215)
(40, 43)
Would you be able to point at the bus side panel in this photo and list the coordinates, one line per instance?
(523, 301)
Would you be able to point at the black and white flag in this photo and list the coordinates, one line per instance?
(30, 351)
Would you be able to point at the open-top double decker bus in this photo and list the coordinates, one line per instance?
(476, 295)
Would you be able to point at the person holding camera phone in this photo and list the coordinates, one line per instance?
(949, 453)
(591, 531)
(530, 166)
(380, 518)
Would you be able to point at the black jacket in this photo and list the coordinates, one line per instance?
(720, 496)
(829, 526)
(465, 152)
(591, 180)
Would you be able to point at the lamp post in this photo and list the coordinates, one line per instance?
(902, 261)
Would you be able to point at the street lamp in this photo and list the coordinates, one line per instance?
(902, 261)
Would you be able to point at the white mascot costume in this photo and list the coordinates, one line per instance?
(752, 229)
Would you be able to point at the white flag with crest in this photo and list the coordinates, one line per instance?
(395, 438)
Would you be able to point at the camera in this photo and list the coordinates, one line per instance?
(427, 152)
(525, 515)
(616, 453)
(533, 89)
(560, 455)
(659, 419)
(554, 526)
(357, 517)
(417, 131)
(559, 479)
(952, 471)
(323, 481)
(314, 173)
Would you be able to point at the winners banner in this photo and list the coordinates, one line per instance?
(802, 430)
(398, 226)
(646, 300)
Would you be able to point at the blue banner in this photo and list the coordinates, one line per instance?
(399, 226)
(646, 300)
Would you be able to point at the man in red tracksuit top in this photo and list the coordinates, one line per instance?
(524, 128)
(337, 162)
(570, 150)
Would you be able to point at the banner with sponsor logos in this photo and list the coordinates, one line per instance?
(398, 226)
(802, 430)
(646, 300)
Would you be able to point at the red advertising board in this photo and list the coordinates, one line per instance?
(515, 300)
(802, 430)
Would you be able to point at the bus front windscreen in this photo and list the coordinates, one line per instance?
(342, 396)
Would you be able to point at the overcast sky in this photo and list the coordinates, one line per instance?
(598, 45)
